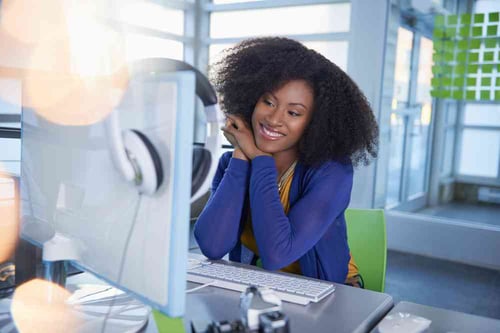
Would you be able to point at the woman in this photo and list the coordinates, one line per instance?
(298, 124)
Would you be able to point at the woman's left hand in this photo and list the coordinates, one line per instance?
(239, 129)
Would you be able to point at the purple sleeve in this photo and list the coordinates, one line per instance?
(284, 239)
(217, 227)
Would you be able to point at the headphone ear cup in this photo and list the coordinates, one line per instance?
(201, 166)
(145, 161)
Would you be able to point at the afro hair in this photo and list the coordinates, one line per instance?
(343, 127)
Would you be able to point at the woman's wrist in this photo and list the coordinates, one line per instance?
(260, 153)
(237, 153)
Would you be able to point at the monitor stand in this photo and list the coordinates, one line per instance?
(100, 307)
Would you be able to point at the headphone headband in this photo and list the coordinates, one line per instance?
(204, 89)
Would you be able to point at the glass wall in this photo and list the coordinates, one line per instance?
(400, 100)
(480, 134)
(322, 27)
(10, 117)
(410, 120)
(154, 19)
(478, 141)
(422, 121)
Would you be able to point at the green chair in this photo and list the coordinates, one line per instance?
(368, 243)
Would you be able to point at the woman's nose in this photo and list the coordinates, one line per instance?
(276, 117)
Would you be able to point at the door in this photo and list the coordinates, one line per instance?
(411, 121)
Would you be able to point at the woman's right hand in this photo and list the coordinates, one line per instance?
(237, 153)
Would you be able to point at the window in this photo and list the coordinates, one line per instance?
(141, 46)
(10, 111)
(480, 152)
(480, 129)
(152, 16)
(312, 19)
(403, 67)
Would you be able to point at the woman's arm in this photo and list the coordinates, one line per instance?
(217, 227)
(283, 239)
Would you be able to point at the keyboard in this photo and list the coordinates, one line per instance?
(225, 275)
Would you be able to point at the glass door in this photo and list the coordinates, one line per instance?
(411, 120)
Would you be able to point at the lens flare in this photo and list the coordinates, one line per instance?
(9, 221)
(33, 21)
(72, 64)
(41, 306)
(69, 99)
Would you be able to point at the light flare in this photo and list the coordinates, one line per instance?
(9, 221)
(41, 306)
(72, 66)
(33, 21)
(426, 114)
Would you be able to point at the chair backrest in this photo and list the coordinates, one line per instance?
(368, 243)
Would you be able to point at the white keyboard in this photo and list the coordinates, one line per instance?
(288, 288)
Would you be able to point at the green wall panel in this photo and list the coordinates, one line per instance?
(466, 57)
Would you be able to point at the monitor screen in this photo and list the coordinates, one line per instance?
(77, 206)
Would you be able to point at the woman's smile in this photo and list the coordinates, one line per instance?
(269, 133)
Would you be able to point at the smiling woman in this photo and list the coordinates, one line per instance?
(298, 124)
(280, 118)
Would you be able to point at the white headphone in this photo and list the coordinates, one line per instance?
(137, 159)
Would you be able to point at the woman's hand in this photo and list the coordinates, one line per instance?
(241, 137)
(237, 153)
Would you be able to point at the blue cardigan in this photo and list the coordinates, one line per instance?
(314, 232)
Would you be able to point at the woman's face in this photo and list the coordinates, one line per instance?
(280, 117)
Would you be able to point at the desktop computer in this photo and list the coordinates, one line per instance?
(78, 206)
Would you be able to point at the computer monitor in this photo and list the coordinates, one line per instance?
(77, 207)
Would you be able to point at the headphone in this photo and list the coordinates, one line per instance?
(137, 159)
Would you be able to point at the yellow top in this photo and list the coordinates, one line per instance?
(247, 237)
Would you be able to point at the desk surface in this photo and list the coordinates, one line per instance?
(447, 320)
(348, 309)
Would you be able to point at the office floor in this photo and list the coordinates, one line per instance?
(443, 284)
(476, 213)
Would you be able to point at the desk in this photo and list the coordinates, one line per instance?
(348, 309)
(447, 320)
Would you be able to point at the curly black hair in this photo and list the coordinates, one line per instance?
(343, 127)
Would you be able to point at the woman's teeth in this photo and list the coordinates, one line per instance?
(271, 133)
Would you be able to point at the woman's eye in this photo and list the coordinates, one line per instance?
(293, 113)
(268, 102)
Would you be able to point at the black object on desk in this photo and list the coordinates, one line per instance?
(260, 311)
